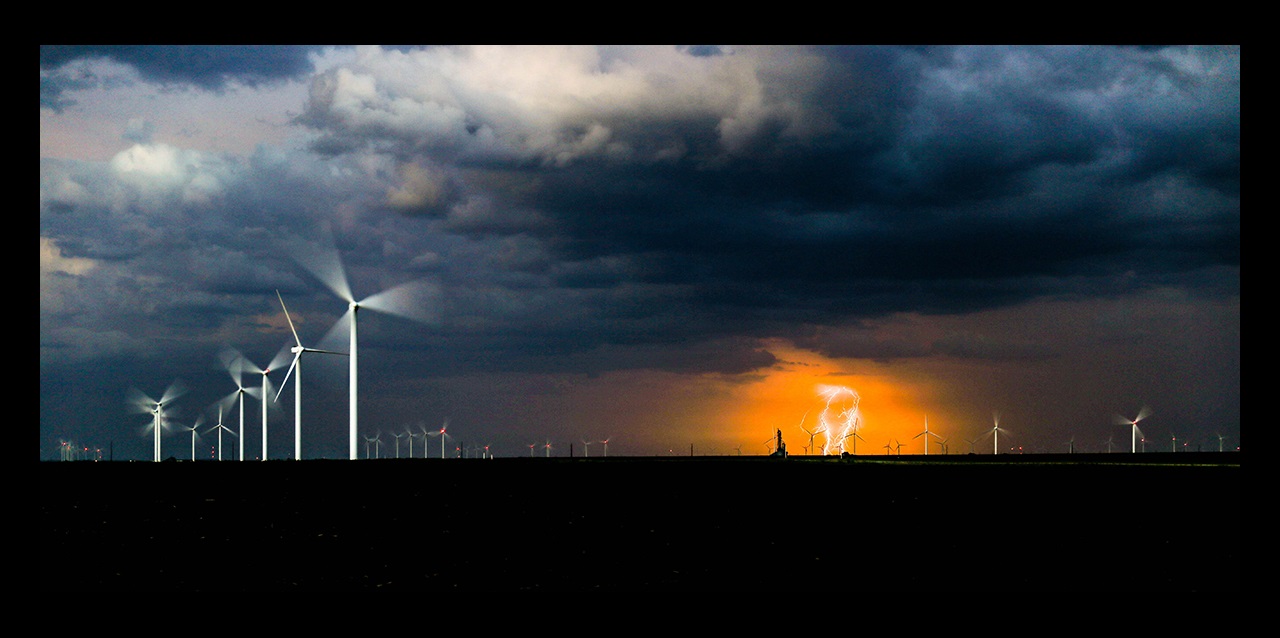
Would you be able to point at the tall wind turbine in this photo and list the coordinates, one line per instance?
(1136, 433)
(411, 300)
(586, 447)
(156, 408)
(443, 434)
(297, 351)
(605, 443)
(926, 434)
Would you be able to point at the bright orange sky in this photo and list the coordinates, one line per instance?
(792, 391)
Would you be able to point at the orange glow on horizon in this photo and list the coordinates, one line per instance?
(789, 392)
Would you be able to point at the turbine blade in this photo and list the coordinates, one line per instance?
(286, 316)
(286, 376)
(175, 390)
(325, 351)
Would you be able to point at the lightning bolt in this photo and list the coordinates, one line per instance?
(840, 418)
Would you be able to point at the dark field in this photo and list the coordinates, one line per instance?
(982, 523)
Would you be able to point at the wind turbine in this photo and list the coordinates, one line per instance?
(547, 447)
(855, 436)
(586, 447)
(397, 435)
(995, 430)
(221, 428)
(605, 443)
(155, 408)
(409, 300)
(1142, 414)
(1220, 440)
(443, 434)
(926, 434)
(813, 433)
(194, 434)
(413, 436)
(234, 362)
(297, 387)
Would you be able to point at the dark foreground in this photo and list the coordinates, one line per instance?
(631, 524)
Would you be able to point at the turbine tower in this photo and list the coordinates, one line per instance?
(297, 351)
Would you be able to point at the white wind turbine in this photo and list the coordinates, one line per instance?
(222, 428)
(926, 434)
(531, 446)
(547, 447)
(234, 362)
(605, 443)
(397, 436)
(995, 431)
(156, 408)
(443, 434)
(413, 436)
(586, 447)
(1136, 433)
(194, 433)
(410, 300)
(297, 351)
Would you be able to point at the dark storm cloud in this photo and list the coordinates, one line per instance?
(203, 66)
(853, 171)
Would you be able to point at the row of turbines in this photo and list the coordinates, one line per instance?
(236, 364)
(1138, 441)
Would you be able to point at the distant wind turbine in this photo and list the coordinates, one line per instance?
(221, 428)
(1136, 433)
(605, 443)
(195, 434)
(995, 431)
(156, 408)
(234, 363)
(926, 434)
(586, 447)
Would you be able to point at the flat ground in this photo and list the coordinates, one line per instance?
(1044, 523)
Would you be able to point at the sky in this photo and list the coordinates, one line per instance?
(678, 249)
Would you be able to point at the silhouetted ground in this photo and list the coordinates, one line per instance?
(1030, 523)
